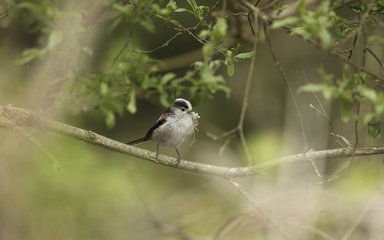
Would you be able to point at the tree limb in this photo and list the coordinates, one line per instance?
(9, 116)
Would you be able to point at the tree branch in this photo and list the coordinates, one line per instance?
(9, 116)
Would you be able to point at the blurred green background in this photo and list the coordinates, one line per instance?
(87, 192)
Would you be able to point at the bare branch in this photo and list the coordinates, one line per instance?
(28, 118)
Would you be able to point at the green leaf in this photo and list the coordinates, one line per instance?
(171, 6)
(225, 89)
(246, 55)
(164, 99)
(54, 39)
(230, 68)
(198, 64)
(131, 107)
(115, 23)
(104, 88)
(87, 50)
(221, 26)
(167, 77)
(148, 24)
(312, 87)
(204, 33)
(180, 10)
(33, 7)
(346, 111)
(208, 49)
(284, 22)
(193, 4)
(195, 9)
(326, 38)
(327, 78)
(327, 91)
(29, 54)
(374, 128)
(121, 8)
(368, 93)
(110, 119)
(301, 7)
(35, 26)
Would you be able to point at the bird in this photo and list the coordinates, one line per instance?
(173, 128)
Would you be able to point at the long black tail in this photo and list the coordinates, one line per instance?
(137, 141)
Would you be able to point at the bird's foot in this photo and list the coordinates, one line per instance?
(157, 158)
(177, 162)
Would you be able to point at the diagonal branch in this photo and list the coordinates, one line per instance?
(27, 118)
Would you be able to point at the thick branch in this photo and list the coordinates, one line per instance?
(11, 116)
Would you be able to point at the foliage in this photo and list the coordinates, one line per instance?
(134, 74)
(314, 26)
(110, 72)
(324, 28)
(351, 89)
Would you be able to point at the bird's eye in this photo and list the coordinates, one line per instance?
(182, 109)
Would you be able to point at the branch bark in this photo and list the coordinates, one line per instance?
(11, 116)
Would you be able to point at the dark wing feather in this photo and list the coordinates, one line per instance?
(150, 131)
(159, 122)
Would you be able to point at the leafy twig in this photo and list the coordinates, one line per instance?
(240, 125)
(165, 44)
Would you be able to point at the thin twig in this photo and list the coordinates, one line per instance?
(223, 135)
(375, 57)
(293, 98)
(240, 125)
(55, 162)
(362, 214)
(247, 91)
(8, 8)
(361, 57)
(356, 66)
(263, 213)
(363, 19)
(124, 47)
(165, 44)
(160, 224)
(225, 145)
(290, 91)
(207, 14)
(324, 114)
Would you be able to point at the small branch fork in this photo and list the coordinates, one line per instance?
(247, 89)
(27, 118)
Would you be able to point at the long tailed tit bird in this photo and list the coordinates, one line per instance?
(174, 126)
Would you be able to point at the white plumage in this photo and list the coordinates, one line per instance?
(173, 128)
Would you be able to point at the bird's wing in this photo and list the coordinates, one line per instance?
(159, 122)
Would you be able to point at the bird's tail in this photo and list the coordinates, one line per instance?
(137, 141)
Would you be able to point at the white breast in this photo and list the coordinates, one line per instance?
(174, 131)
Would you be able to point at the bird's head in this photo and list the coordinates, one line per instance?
(183, 105)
